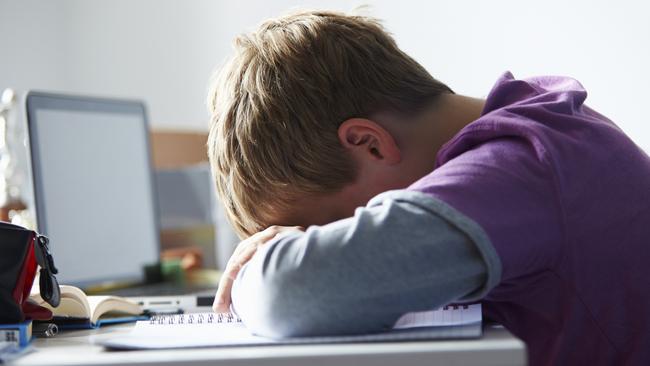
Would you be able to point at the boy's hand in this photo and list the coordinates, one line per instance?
(243, 253)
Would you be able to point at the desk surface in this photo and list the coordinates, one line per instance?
(497, 347)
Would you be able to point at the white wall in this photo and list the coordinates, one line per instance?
(163, 51)
(31, 44)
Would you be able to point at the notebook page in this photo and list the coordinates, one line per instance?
(447, 316)
(218, 330)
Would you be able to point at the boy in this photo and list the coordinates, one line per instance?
(529, 200)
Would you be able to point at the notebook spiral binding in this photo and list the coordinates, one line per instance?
(180, 319)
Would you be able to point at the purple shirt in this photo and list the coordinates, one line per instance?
(564, 196)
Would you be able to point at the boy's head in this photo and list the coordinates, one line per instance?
(300, 130)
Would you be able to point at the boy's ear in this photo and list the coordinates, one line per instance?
(369, 141)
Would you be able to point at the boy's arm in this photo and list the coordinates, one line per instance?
(405, 251)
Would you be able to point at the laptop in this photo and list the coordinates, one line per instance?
(95, 196)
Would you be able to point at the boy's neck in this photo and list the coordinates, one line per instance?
(453, 113)
(443, 121)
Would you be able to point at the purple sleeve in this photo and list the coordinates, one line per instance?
(510, 193)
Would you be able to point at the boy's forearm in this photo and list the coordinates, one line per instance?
(404, 252)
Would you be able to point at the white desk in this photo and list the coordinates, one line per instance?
(497, 347)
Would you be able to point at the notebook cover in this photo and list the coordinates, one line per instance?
(65, 323)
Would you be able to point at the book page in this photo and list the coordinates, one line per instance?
(101, 305)
(74, 303)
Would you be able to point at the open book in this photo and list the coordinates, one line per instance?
(77, 310)
(215, 330)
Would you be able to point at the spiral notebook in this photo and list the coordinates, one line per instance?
(220, 330)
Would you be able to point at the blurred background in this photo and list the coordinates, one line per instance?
(164, 51)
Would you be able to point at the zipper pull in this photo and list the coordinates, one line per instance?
(44, 241)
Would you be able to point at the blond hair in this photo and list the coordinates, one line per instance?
(278, 102)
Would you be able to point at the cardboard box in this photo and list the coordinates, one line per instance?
(173, 149)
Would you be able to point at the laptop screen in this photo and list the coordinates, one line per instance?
(93, 187)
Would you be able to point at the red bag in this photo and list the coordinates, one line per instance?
(22, 251)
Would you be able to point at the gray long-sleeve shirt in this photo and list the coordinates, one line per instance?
(405, 251)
